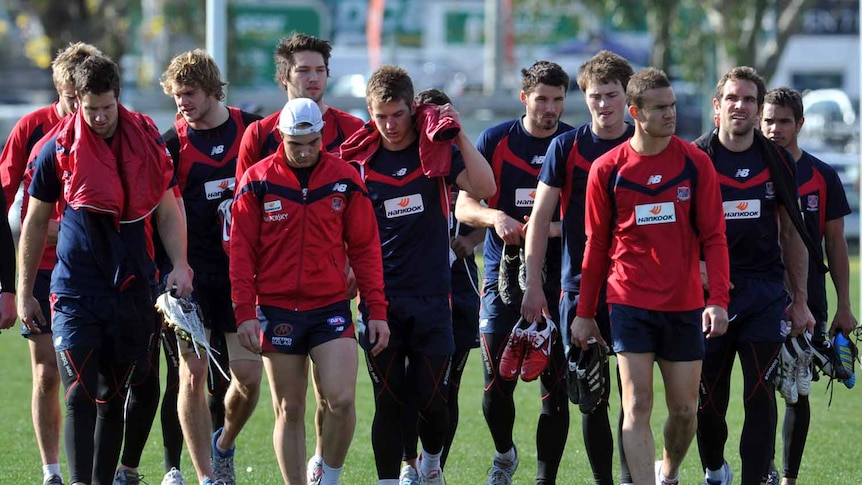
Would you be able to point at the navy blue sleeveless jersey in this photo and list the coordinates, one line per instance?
(822, 199)
(516, 158)
(205, 166)
(413, 220)
(750, 213)
(84, 264)
(567, 164)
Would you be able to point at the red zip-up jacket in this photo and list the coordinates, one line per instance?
(289, 245)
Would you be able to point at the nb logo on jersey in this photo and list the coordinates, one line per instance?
(401, 172)
(217, 150)
(661, 213)
(403, 206)
(339, 187)
(537, 160)
(654, 179)
(742, 173)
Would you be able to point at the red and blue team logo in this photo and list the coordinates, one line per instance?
(282, 330)
(683, 193)
(813, 203)
(336, 321)
(337, 204)
(770, 190)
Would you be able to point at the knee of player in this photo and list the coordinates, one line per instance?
(245, 376)
(683, 411)
(638, 406)
(340, 402)
(194, 374)
(46, 378)
(290, 408)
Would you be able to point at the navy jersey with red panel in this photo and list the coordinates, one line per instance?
(82, 269)
(413, 220)
(290, 241)
(205, 165)
(822, 199)
(516, 158)
(16, 152)
(651, 216)
(567, 164)
(750, 213)
(262, 139)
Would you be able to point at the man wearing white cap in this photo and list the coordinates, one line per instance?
(290, 292)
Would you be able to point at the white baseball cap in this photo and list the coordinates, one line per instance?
(300, 116)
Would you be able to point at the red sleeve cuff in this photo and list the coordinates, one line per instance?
(244, 312)
(377, 312)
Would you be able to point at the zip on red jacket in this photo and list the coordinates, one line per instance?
(289, 245)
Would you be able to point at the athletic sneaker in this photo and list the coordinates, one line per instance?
(173, 477)
(659, 480)
(538, 350)
(591, 377)
(516, 346)
(572, 375)
(785, 375)
(127, 477)
(210, 481)
(728, 476)
(771, 478)
(222, 462)
(803, 363)
(53, 480)
(434, 478)
(502, 471)
(314, 470)
(409, 476)
(508, 284)
(847, 355)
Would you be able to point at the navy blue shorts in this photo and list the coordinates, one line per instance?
(756, 309)
(42, 293)
(569, 310)
(498, 318)
(212, 293)
(672, 336)
(421, 324)
(121, 326)
(296, 333)
(465, 320)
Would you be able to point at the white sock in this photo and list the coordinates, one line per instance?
(50, 469)
(330, 475)
(715, 474)
(507, 456)
(391, 481)
(429, 463)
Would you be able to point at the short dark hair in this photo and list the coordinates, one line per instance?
(786, 97)
(97, 74)
(742, 73)
(432, 96)
(543, 72)
(603, 68)
(294, 43)
(642, 81)
(389, 83)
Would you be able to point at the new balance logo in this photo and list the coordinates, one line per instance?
(742, 173)
(217, 150)
(654, 179)
(339, 187)
(537, 160)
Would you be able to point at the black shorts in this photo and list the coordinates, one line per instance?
(756, 309)
(212, 293)
(288, 332)
(569, 310)
(121, 326)
(421, 324)
(465, 320)
(673, 336)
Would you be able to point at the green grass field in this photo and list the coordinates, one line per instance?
(832, 454)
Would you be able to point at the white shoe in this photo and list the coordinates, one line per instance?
(409, 476)
(501, 471)
(173, 477)
(804, 355)
(786, 372)
(728, 476)
(314, 470)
